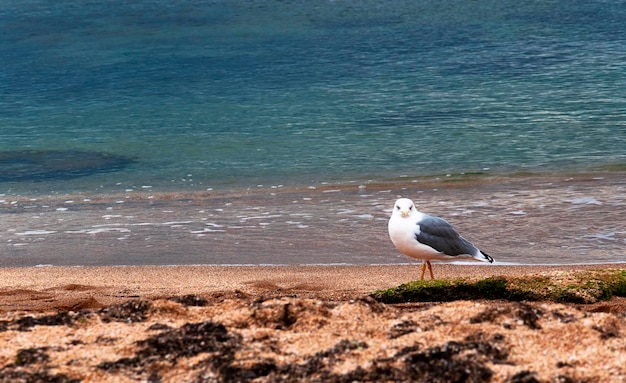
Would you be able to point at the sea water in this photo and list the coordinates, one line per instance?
(173, 97)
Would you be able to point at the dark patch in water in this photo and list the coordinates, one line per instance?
(39, 165)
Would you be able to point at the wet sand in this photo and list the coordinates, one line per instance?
(550, 219)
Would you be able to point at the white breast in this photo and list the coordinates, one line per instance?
(402, 232)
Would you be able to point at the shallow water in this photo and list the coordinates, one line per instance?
(532, 220)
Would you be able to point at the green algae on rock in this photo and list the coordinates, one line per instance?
(563, 287)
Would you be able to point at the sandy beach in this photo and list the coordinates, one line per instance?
(295, 323)
(71, 288)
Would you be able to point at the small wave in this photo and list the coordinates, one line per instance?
(585, 201)
(36, 232)
(100, 230)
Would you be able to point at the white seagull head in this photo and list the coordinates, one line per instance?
(404, 208)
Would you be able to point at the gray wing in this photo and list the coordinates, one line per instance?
(441, 236)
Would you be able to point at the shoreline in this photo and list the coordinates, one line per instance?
(527, 220)
(452, 181)
(39, 289)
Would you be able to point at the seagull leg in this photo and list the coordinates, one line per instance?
(430, 268)
(423, 270)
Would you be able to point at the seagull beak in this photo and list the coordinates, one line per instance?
(405, 213)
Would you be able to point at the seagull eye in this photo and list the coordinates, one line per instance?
(397, 207)
(411, 208)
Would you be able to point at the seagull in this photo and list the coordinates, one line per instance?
(422, 236)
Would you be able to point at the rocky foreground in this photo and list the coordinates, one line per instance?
(281, 337)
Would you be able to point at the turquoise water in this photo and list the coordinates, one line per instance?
(221, 94)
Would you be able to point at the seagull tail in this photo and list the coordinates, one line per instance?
(485, 257)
